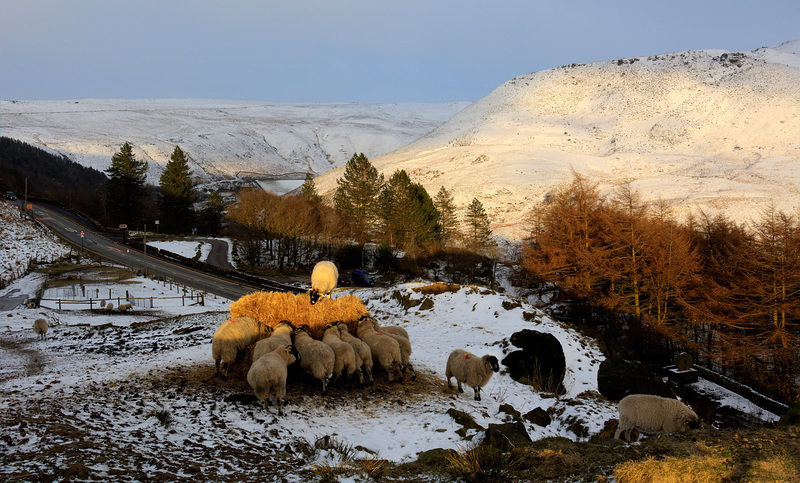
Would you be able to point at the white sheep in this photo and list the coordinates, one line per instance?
(267, 375)
(654, 414)
(109, 306)
(40, 328)
(233, 337)
(281, 335)
(316, 357)
(401, 336)
(385, 350)
(361, 350)
(124, 307)
(345, 362)
(470, 369)
(323, 280)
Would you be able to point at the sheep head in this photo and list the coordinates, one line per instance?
(294, 356)
(314, 296)
(491, 362)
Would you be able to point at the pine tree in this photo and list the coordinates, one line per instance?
(125, 188)
(448, 221)
(210, 217)
(309, 191)
(356, 197)
(408, 213)
(478, 234)
(177, 194)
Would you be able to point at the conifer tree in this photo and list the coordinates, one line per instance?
(448, 221)
(408, 213)
(210, 217)
(477, 233)
(125, 188)
(356, 197)
(309, 191)
(177, 194)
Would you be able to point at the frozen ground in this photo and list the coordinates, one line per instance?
(132, 397)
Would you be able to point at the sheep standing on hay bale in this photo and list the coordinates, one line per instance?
(654, 414)
(385, 350)
(40, 328)
(267, 375)
(233, 337)
(316, 357)
(361, 349)
(323, 280)
(470, 369)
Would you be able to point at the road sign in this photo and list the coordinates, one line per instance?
(81, 233)
(123, 227)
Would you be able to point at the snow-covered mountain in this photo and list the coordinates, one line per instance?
(221, 137)
(714, 129)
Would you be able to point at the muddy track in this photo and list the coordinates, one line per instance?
(34, 361)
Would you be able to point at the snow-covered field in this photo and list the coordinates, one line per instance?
(131, 396)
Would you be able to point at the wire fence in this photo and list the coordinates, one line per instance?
(86, 294)
(194, 298)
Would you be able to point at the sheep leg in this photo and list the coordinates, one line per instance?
(477, 390)
(459, 386)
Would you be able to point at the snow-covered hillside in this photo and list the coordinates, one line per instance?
(221, 137)
(715, 130)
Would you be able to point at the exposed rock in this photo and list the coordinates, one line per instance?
(618, 378)
(540, 362)
(509, 409)
(465, 420)
(538, 417)
(507, 436)
(427, 304)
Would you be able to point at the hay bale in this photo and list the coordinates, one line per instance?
(270, 308)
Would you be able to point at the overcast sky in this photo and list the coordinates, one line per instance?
(348, 50)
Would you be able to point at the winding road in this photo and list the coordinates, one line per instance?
(98, 246)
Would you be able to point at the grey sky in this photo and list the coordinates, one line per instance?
(348, 50)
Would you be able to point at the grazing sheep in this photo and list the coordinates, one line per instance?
(40, 327)
(323, 280)
(231, 338)
(281, 335)
(316, 357)
(267, 375)
(345, 355)
(654, 414)
(385, 350)
(124, 307)
(401, 336)
(109, 306)
(391, 329)
(470, 369)
(361, 349)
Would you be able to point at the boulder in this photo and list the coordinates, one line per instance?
(538, 417)
(617, 378)
(540, 362)
(507, 436)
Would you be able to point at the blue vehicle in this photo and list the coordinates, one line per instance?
(362, 277)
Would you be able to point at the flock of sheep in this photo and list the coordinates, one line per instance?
(345, 353)
(342, 356)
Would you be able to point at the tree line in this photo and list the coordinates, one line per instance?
(120, 195)
(294, 231)
(728, 293)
